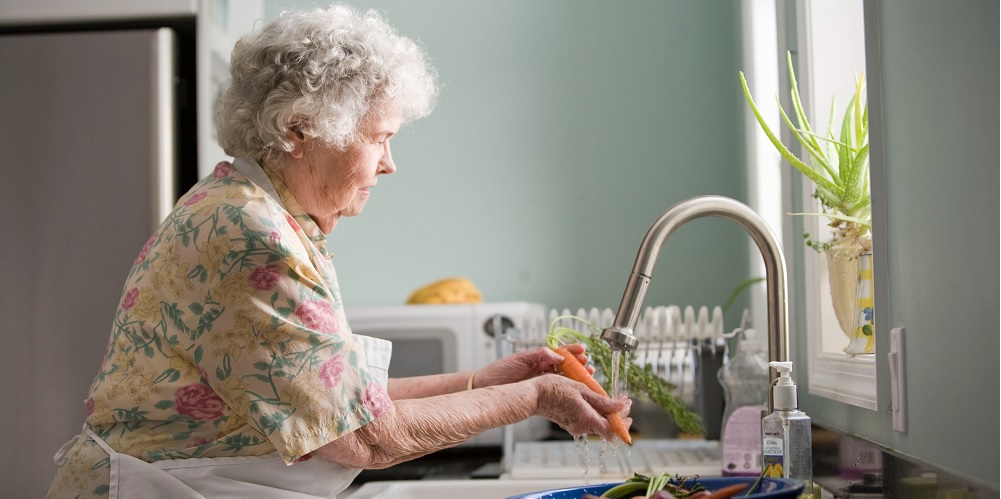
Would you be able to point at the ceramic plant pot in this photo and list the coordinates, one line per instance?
(849, 268)
(842, 272)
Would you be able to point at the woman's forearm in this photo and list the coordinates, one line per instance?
(427, 386)
(415, 427)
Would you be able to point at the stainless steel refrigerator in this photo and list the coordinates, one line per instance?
(96, 141)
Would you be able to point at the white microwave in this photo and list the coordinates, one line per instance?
(435, 339)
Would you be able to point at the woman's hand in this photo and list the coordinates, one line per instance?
(525, 365)
(578, 410)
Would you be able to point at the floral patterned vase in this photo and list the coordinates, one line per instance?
(864, 330)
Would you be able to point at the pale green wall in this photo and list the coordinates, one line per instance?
(934, 137)
(564, 129)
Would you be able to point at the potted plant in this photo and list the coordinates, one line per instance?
(839, 168)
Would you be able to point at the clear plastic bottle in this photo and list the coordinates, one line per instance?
(745, 388)
(787, 440)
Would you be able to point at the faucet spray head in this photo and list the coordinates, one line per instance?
(619, 339)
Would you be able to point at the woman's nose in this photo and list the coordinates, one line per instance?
(386, 164)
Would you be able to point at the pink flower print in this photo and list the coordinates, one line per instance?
(375, 399)
(264, 278)
(145, 251)
(198, 401)
(195, 198)
(275, 234)
(330, 372)
(291, 221)
(199, 442)
(90, 406)
(318, 316)
(130, 298)
(222, 169)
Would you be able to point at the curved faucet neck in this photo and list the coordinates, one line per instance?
(705, 206)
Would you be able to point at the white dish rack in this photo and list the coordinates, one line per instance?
(671, 339)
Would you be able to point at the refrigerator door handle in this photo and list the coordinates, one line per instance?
(163, 125)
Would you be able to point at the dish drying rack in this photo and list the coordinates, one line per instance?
(672, 340)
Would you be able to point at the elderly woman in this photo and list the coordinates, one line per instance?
(231, 370)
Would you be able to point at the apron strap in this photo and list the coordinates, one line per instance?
(100, 441)
(253, 171)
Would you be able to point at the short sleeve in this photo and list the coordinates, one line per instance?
(272, 338)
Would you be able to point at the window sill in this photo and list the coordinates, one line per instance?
(851, 380)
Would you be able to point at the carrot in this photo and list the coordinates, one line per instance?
(573, 369)
(727, 492)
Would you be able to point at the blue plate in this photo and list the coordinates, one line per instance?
(770, 488)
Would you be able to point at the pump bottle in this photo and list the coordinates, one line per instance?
(745, 385)
(786, 439)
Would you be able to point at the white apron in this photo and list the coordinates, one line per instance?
(251, 477)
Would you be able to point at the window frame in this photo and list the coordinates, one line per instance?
(835, 34)
(812, 31)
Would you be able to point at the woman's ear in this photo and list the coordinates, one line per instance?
(297, 139)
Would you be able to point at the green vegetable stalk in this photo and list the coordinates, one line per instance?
(640, 379)
(680, 487)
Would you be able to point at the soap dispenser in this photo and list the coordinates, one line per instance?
(786, 438)
(745, 385)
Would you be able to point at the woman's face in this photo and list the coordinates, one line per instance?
(330, 183)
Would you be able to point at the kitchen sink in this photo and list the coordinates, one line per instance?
(458, 489)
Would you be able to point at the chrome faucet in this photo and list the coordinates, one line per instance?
(620, 334)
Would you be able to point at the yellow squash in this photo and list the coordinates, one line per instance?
(450, 290)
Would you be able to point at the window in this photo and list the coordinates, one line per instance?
(832, 51)
(827, 42)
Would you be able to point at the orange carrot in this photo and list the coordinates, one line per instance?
(728, 492)
(573, 369)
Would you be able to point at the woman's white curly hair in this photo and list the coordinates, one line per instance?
(320, 72)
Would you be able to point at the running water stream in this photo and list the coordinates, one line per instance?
(581, 441)
(616, 356)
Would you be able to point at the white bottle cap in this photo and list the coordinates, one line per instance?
(784, 391)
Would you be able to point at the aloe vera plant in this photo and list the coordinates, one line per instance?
(839, 166)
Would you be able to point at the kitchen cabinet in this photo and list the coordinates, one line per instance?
(104, 122)
(933, 135)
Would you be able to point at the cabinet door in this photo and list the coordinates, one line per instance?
(86, 162)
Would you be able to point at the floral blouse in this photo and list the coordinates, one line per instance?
(230, 340)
